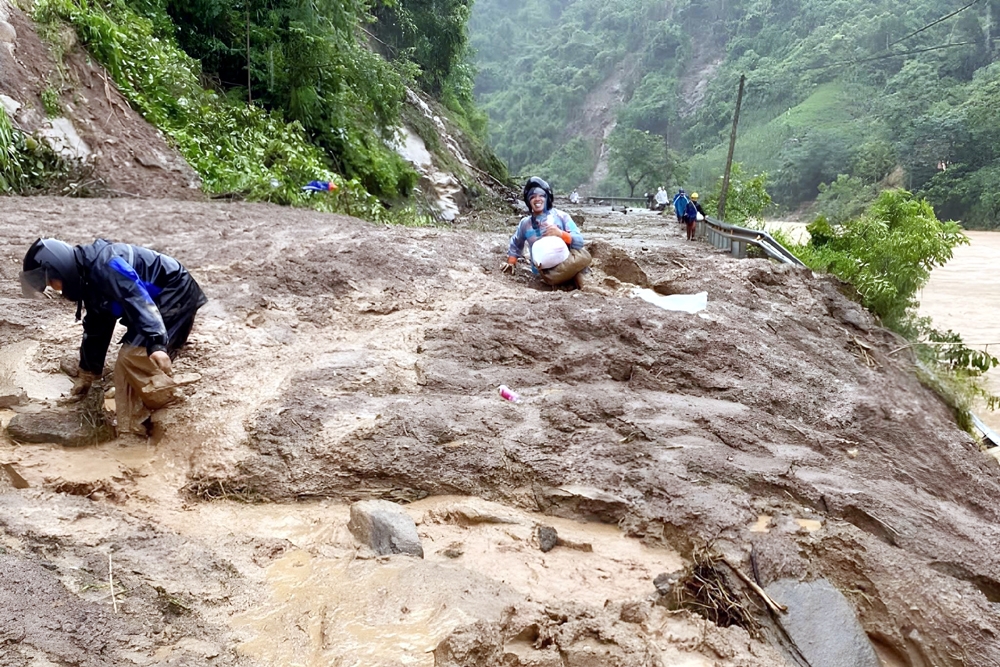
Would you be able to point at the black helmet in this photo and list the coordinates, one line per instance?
(50, 259)
(535, 182)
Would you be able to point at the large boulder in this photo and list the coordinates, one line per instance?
(385, 527)
(822, 624)
(71, 428)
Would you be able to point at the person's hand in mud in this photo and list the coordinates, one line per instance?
(509, 266)
(162, 361)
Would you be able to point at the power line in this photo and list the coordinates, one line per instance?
(931, 24)
(886, 54)
(883, 56)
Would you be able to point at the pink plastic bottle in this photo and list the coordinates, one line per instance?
(508, 395)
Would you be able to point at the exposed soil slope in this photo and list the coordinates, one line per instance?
(122, 154)
(345, 361)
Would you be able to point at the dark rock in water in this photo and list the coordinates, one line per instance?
(12, 396)
(667, 582)
(548, 538)
(71, 428)
(822, 624)
(385, 527)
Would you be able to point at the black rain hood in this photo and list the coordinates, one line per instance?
(51, 259)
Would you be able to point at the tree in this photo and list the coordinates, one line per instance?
(887, 253)
(637, 156)
(746, 200)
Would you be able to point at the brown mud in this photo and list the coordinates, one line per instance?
(342, 360)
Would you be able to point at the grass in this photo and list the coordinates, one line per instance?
(759, 145)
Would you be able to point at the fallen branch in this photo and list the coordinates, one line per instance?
(768, 600)
(111, 584)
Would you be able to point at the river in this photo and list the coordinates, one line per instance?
(964, 296)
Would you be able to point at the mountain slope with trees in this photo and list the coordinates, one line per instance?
(262, 97)
(885, 91)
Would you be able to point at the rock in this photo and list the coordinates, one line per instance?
(822, 624)
(12, 396)
(667, 582)
(70, 365)
(11, 479)
(70, 428)
(577, 502)
(385, 527)
(548, 538)
(474, 512)
(10, 105)
(8, 34)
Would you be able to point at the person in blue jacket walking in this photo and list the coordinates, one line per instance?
(686, 212)
(152, 294)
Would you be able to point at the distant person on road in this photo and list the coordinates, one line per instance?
(650, 200)
(686, 212)
(661, 198)
(560, 257)
(699, 215)
(153, 295)
(574, 197)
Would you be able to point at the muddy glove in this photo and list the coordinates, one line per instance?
(509, 266)
(555, 231)
(83, 382)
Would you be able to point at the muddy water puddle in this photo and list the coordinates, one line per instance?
(323, 600)
(17, 370)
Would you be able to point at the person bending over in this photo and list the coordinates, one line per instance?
(154, 296)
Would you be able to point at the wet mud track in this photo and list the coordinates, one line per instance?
(344, 361)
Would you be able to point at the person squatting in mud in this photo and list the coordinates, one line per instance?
(555, 244)
(153, 294)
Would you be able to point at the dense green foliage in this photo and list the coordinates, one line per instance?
(27, 165)
(887, 254)
(847, 87)
(746, 199)
(302, 60)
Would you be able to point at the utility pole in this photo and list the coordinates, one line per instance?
(732, 146)
(249, 92)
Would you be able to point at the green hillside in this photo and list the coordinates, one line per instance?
(864, 88)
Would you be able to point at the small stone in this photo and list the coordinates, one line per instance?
(70, 365)
(453, 550)
(12, 397)
(385, 527)
(548, 538)
(666, 582)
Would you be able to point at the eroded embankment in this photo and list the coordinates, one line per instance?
(344, 361)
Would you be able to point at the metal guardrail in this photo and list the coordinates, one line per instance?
(735, 239)
(613, 201)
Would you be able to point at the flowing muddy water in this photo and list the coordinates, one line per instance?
(964, 296)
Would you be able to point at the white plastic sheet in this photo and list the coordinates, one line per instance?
(685, 303)
(549, 251)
